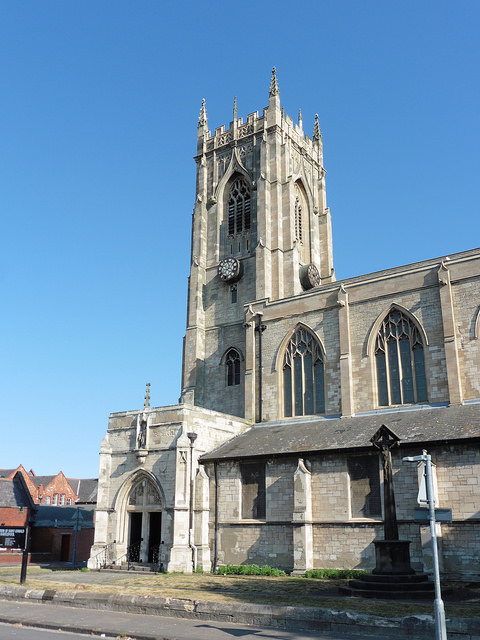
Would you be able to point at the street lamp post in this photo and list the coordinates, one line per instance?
(192, 437)
(76, 518)
(440, 627)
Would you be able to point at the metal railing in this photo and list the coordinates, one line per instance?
(130, 557)
(154, 556)
(103, 557)
(133, 553)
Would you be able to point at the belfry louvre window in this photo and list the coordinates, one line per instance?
(303, 376)
(239, 207)
(253, 491)
(400, 361)
(298, 215)
(232, 363)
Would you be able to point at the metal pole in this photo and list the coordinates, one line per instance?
(26, 546)
(75, 526)
(260, 328)
(440, 627)
(215, 518)
(192, 437)
(439, 609)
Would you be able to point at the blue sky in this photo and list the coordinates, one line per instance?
(98, 116)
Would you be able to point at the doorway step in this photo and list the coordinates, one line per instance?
(133, 566)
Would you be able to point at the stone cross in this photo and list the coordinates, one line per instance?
(147, 397)
(384, 440)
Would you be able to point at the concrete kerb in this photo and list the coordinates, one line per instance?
(416, 627)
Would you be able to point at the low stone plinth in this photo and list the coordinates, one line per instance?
(392, 557)
(392, 587)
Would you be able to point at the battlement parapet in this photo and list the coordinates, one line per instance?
(255, 124)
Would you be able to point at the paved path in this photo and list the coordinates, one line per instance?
(17, 632)
(142, 627)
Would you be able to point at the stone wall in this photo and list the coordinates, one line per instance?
(466, 300)
(256, 544)
(416, 289)
(340, 541)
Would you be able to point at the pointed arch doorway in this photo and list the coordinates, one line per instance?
(144, 512)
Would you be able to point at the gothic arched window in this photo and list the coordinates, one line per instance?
(400, 361)
(232, 364)
(303, 376)
(239, 207)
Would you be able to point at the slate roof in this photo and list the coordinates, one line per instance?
(66, 517)
(4, 473)
(308, 435)
(42, 480)
(13, 493)
(86, 489)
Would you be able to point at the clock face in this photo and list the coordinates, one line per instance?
(229, 269)
(309, 276)
(313, 275)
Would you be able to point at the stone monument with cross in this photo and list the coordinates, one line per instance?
(393, 576)
(392, 555)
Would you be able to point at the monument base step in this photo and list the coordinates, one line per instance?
(393, 587)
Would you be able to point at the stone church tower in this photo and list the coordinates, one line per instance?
(261, 230)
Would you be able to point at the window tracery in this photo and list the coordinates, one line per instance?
(144, 493)
(232, 365)
(400, 361)
(303, 376)
(239, 218)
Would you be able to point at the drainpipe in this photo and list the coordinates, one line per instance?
(192, 437)
(260, 328)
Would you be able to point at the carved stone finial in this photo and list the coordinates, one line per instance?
(147, 397)
(317, 134)
(274, 91)
(443, 274)
(300, 119)
(342, 296)
(235, 108)
(202, 119)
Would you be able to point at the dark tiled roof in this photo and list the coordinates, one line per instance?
(13, 494)
(301, 436)
(44, 480)
(4, 473)
(50, 516)
(86, 489)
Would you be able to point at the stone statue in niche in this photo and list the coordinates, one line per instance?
(142, 433)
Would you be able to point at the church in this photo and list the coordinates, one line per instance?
(287, 375)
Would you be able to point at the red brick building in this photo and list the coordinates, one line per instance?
(59, 509)
(55, 490)
(59, 532)
(17, 510)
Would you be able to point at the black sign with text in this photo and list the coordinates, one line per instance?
(12, 537)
